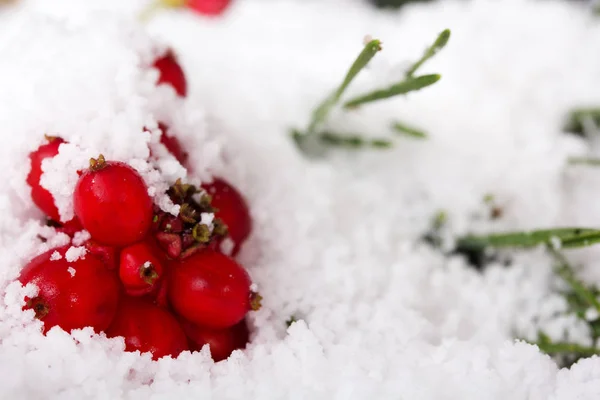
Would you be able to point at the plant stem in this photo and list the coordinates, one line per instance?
(408, 85)
(594, 162)
(401, 127)
(439, 44)
(353, 141)
(566, 237)
(565, 271)
(551, 348)
(321, 112)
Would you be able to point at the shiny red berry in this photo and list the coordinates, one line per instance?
(140, 269)
(70, 227)
(210, 289)
(107, 254)
(231, 209)
(111, 200)
(71, 295)
(171, 73)
(222, 342)
(40, 196)
(148, 328)
(208, 7)
(172, 144)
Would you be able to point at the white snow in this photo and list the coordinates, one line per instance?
(335, 242)
(55, 256)
(74, 253)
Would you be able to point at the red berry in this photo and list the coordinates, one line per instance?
(107, 254)
(172, 144)
(210, 289)
(71, 227)
(112, 202)
(208, 7)
(171, 73)
(40, 196)
(231, 209)
(71, 295)
(148, 328)
(222, 342)
(140, 269)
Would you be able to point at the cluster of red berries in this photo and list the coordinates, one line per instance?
(158, 280)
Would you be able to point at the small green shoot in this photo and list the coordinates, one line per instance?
(408, 85)
(439, 44)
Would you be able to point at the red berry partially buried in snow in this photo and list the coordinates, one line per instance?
(209, 289)
(172, 144)
(208, 7)
(148, 328)
(171, 73)
(71, 295)
(40, 196)
(232, 210)
(140, 269)
(111, 200)
(222, 342)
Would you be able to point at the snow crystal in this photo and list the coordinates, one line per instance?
(55, 256)
(75, 253)
(227, 246)
(207, 219)
(335, 243)
(81, 237)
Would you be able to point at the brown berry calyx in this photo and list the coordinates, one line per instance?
(185, 234)
(96, 164)
(39, 306)
(50, 138)
(255, 301)
(148, 273)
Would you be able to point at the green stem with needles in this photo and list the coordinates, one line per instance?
(408, 85)
(439, 44)
(322, 111)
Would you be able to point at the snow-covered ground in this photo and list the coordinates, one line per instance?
(336, 241)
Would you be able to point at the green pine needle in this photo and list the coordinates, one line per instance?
(566, 237)
(322, 111)
(592, 162)
(404, 87)
(587, 295)
(439, 44)
(558, 348)
(402, 128)
(577, 117)
(353, 141)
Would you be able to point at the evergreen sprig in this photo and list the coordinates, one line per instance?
(580, 296)
(313, 140)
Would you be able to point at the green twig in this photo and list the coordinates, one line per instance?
(565, 237)
(408, 85)
(556, 348)
(593, 162)
(565, 271)
(320, 113)
(353, 141)
(439, 44)
(401, 127)
(576, 119)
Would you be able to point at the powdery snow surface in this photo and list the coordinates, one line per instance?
(336, 242)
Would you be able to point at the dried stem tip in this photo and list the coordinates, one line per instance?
(96, 164)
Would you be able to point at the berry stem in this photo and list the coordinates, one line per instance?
(96, 164)
(255, 301)
(148, 274)
(40, 308)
